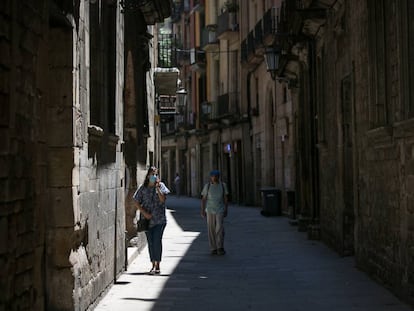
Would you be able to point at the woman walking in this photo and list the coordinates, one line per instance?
(150, 198)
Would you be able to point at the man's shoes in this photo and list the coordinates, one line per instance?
(219, 251)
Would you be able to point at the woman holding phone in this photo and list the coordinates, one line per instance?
(150, 199)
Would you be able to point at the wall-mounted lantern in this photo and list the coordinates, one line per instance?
(181, 97)
(272, 58)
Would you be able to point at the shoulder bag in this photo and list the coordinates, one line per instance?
(142, 224)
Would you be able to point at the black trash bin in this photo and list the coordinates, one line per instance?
(271, 201)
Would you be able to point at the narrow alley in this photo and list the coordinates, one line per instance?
(303, 106)
(269, 265)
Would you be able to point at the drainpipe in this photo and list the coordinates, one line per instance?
(313, 132)
(250, 191)
(115, 230)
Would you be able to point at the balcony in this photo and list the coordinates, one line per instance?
(226, 106)
(167, 57)
(289, 21)
(250, 56)
(270, 21)
(305, 4)
(153, 11)
(258, 38)
(209, 40)
(312, 14)
(183, 57)
(197, 60)
(227, 26)
(294, 22)
(278, 25)
(302, 17)
(205, 115)
(166, 108)
(165, 81)
(168, 128)
(167, 114)
(225, 110)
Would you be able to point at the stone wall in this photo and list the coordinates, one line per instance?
(381, 142)
(335, 140)
(23, 163)
(384, 231)
(62, 217)
(97, 251)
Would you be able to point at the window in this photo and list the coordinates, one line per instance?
(378, 92)
(102, 65)
(391, 49)
(408, 10)
(102, 139)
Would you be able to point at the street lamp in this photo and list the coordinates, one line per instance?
(181, 106)
(181, 95)
(272, 58)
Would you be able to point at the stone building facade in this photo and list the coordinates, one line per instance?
(352, 61)
(335, 127)
(66, 161)
(221, 126)
(384, 141)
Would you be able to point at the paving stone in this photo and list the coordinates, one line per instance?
(269, 265)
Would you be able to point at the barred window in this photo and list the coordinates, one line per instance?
(391, 33)
(102, 65)
(407, 33)
(378, 87)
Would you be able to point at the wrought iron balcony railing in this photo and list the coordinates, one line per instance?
(208, 36)
(227, 21)
(251, 53)
(197, 59)
(270, 21)
(167, 52)
(227, 105)
(258, 34)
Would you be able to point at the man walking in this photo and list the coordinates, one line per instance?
(214, 206)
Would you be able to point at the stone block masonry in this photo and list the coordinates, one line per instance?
(62, 219)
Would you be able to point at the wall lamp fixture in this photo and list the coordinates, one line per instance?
(272, 57)
(181, 96)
